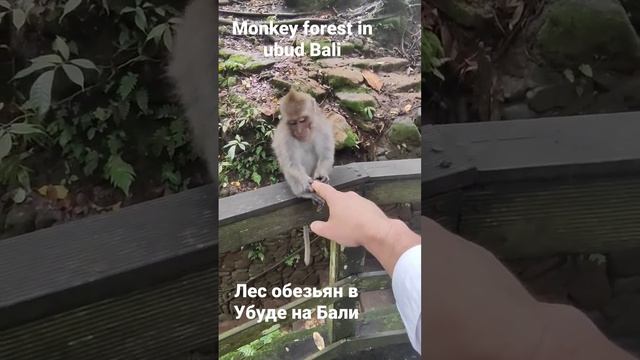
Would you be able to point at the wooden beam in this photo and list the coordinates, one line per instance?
(255, 215)
(70, 265)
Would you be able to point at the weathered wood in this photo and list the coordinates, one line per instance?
(164, 322)
(548, 148)
(446, 165)
(251, 330)
(255, 215)
(70, 265)
(527, 219)
(344, 347)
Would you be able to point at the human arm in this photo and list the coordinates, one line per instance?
(476, 309)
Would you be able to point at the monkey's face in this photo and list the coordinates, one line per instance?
(300, 127)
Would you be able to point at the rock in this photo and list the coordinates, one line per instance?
(625, 262)
(589, 287)
(240, 275)
(394, 82)
(356, 102)
(550, 97)
(518, 111)
(237, 60)
(626, 285)
(417, 117)
(582, 31)
(358, 43)
(404, 131)
(342, 77)
(47, 217)
(513, 88)
(308, 5)
(344, 135)
(467, 12)
(307, 85)
(20, 219)
(379, 64)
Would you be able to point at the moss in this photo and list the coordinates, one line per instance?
(357, 106)
(576, 33)
(404, 132)
(350, 142)
(431, 51)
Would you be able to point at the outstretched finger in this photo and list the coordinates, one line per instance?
(326, 191)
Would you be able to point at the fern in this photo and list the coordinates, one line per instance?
(120, 173)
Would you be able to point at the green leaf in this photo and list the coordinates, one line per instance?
(74, 74)
(5, 4)
(50, 59)
(127, 9)
(61, 46)
(119, 173)
(91, 162)
(24, 129)
(31, 69)
(5, 144)
(142, 99)
(19, 18)
(256, 178)
(156, 32)
(40, 93)
(84, 63)
(167, 39)
(19, 196)
(69, 7)
(141, 20)
(127, 84)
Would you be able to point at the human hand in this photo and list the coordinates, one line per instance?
(353, 220)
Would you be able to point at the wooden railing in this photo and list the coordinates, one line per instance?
(534, 187)
(269, 211)
(138, 283)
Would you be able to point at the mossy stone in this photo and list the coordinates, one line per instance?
(404, 131)
(584, 31)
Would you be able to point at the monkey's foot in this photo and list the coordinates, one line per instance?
(323, 178)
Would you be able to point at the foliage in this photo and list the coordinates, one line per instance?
(92, 97)
(246, 147)
(256, 252)
(432, 54)
(292, 259)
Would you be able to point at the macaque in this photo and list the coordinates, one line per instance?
(304, 146)
(193, 69)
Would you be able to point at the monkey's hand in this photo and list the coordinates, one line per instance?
(317, 200)
(321, 176)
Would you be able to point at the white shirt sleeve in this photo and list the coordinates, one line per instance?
(407, 289)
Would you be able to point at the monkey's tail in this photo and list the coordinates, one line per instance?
(307, 245)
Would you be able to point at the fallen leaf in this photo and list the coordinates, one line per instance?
(407, 108)
(373, 80)
(61, 192)
(586, 70)
(318, 340)
(568, 73)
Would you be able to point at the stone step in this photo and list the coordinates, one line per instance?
(394, 82)
(379, 64)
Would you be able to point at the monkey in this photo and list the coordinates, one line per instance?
(304, 146)
(192, 68)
